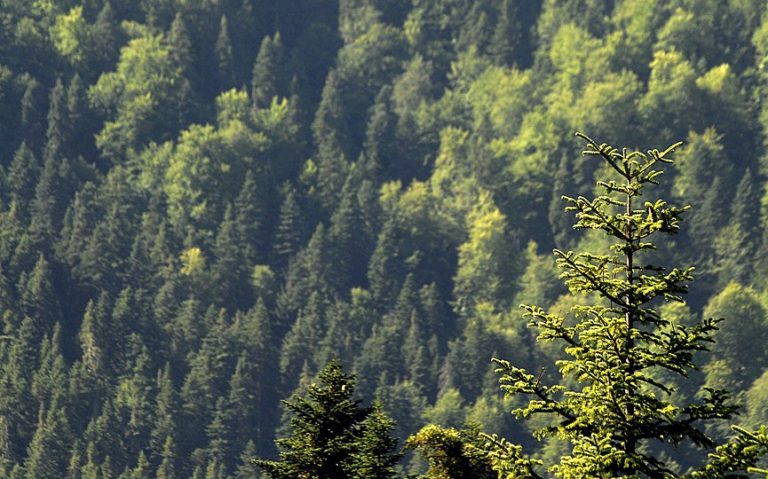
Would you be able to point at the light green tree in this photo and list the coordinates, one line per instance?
(613, 412)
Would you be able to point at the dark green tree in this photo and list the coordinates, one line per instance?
(221, 435)
(308, 275)
(332, 435)
(22, 175)
(81, 126)
(49, 382)
(380, 143)
(207, 378)
(269, 75)
(47, 456)
(297, 350)
(56, 134)
(38, 298)
(330, 130)
(167, 467)
(32, 108)
(181, 45)
(250, 218)
(291, 229)
(247, 469)
(620, 413)
(107, 30)
(508, 34)
(228, 270)
(224, 56)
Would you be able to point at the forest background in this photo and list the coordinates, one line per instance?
(202, 202)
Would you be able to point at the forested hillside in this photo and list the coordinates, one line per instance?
(203, 202)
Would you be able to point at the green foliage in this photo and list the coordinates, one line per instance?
(141, 97)
(205, 156)
(619, 412)
(164, 165)
(332, 435)
(452, 453)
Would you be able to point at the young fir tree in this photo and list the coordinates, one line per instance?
(619, 415)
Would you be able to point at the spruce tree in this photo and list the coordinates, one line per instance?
(180, 44)
(56, 134)
(333, 436)
(22, 175)
(507, 36)
(31, 112)
(618, 415)
(269, 77)
(224, 55)
(167, 468)
(47, 453)
(290, 232)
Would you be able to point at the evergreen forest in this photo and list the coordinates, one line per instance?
(222, 218)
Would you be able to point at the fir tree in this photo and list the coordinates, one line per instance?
(38, 298)
(220, 433)
(106, 29)
(269, 78)
(507, 37)
(291, 228)
(56, 134)
(247, 469)
(331, 133)
(166, 413)
(181, 44)
(228, 271)
(31, 117)
(47, 457)
(167, 468)
(22, 175)
(619, 416)
(225, 56)
(333, 436)
(250, 212)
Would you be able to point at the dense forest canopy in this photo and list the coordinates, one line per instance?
(202, 203)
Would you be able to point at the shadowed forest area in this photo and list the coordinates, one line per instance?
(203, 203)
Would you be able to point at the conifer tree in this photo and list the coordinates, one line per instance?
(380, 143)
(38, 298)
(22, 175)
(291, 228)
(221, 435)
(56, 135)
(224, 56)
(80, 127)
(330, 130)
(167, 468)
(250, 209)
(333, 436)
(269, 77)
(31, 116)
(106, 29)
(47, 206)
(228, 269)
(619, 415)
(166, 411)
(247, 469)
(47, 454)
(507, 36)
(49, 381)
